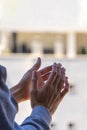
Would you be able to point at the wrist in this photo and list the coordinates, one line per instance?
(42, 105)
(43, 112)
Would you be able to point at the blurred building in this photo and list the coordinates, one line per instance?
(60, 26)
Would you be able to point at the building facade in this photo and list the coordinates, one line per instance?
(58, 26)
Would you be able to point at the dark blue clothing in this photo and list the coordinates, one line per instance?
(39, 119)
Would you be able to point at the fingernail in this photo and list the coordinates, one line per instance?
(54, 64)
(54, 67)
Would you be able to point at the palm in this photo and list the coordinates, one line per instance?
(22, 89)
(40, 80)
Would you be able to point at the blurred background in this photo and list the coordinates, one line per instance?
(56, 31)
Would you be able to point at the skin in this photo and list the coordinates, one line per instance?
(49, 92)
(22, 89)
(45, 87)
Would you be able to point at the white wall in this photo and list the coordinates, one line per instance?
(40, 14)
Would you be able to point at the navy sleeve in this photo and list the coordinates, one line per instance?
(39, 119)
(7, 107)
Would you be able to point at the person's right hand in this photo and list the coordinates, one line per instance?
(21, 90)
(50, 92)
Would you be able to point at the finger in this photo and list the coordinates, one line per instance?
(58, 87)
(55, 104)
(45, 77)
(34, 80)
(61, 81)
(45, 70)
(63, 93)
(66, 88)
(53, 98)
(58, 75)
(37, 65)
(53, 75)
(67, 85)
(59, 97)
(59, 64)
(63, 71)
(58, 84)
(59, 68)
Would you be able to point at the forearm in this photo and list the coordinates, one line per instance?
(39, 119)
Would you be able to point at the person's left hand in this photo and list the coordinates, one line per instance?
(21, 90)
(50, 92)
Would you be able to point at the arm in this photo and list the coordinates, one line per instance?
(46, 95)
(39, 119)
(7, 103)
(46, 98)
(8, 111)
(20, 90)
(42, 109)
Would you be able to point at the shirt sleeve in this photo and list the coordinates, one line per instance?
(7, 107)
(39, 119)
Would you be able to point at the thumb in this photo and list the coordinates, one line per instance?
(37, 65)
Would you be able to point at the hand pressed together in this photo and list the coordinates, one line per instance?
(49, 91)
